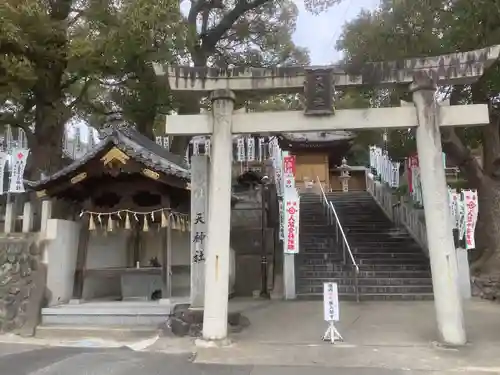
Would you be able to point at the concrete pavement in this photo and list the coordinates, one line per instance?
(17, 359)
(284, 338)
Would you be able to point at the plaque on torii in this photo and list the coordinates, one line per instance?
(421, 75)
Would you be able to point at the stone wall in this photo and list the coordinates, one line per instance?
(22, 283)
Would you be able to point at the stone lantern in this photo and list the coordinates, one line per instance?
(344, 175)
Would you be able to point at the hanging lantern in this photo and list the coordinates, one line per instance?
(127, 221)
(145, 228)
(164, 220)
(91, 223)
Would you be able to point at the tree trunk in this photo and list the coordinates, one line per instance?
(489, 231)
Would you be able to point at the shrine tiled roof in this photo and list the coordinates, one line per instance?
(133, 144)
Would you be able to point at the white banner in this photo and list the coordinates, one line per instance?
(240, 149)
(331, 302)
(461, 217)
(454, 198)
(19, 159)
(196, 148)
(278, 170)
(282, 220)
(251, 149)
(207, 147)
(3, 161)
(471, 212)
(262, 157)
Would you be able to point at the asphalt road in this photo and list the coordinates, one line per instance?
(30, 360)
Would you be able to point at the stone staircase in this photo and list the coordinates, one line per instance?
(392, 265)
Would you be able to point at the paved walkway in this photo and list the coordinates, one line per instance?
(387, 335)
(32, 360)
(380, 338)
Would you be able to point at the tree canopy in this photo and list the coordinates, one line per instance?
(400, 29)
(92, 60)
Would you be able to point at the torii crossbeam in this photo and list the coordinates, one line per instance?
(421, 74)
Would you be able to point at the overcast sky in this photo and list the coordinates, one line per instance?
(320, 33)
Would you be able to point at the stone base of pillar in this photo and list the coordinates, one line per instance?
(187, 321)
(202, 343)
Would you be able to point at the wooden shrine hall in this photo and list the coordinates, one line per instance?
(133, 197)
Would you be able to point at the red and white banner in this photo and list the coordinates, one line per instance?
(471, 212)
(19, 160)
(289, 165)
(291, 223)
(412, 164)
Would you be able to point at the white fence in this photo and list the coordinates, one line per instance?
(19, 214)
(401, 212)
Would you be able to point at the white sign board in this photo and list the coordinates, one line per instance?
(331, 302)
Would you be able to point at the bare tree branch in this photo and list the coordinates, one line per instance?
(210, 39)
(83, 93)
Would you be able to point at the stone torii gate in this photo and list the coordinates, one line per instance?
(421, 74)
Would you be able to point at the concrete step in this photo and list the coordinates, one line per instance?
(107, 314)
(371, 297)
(364, 274)
(366, 267)
(111, 333)
(314, 249)
(372, 281)
(391, 261)
(370, 289)
(379, 241)
(382, 238)
(384, 247)
(415, 249)
(325, 255)
(396, 256)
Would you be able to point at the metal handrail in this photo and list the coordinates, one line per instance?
(346, 248)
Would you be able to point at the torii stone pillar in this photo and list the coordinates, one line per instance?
(199, 222)
(219, 218)
(447, 298)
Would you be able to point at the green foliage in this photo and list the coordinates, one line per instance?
(402, 29)
(93, 59)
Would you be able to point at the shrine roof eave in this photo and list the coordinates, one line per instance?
(133, 144)
(317, 137)
(454, 68)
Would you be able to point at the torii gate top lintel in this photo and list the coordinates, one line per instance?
(455, 68)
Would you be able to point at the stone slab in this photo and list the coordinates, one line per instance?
(346, 119)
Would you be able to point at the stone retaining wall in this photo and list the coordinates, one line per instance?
(22, 283)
